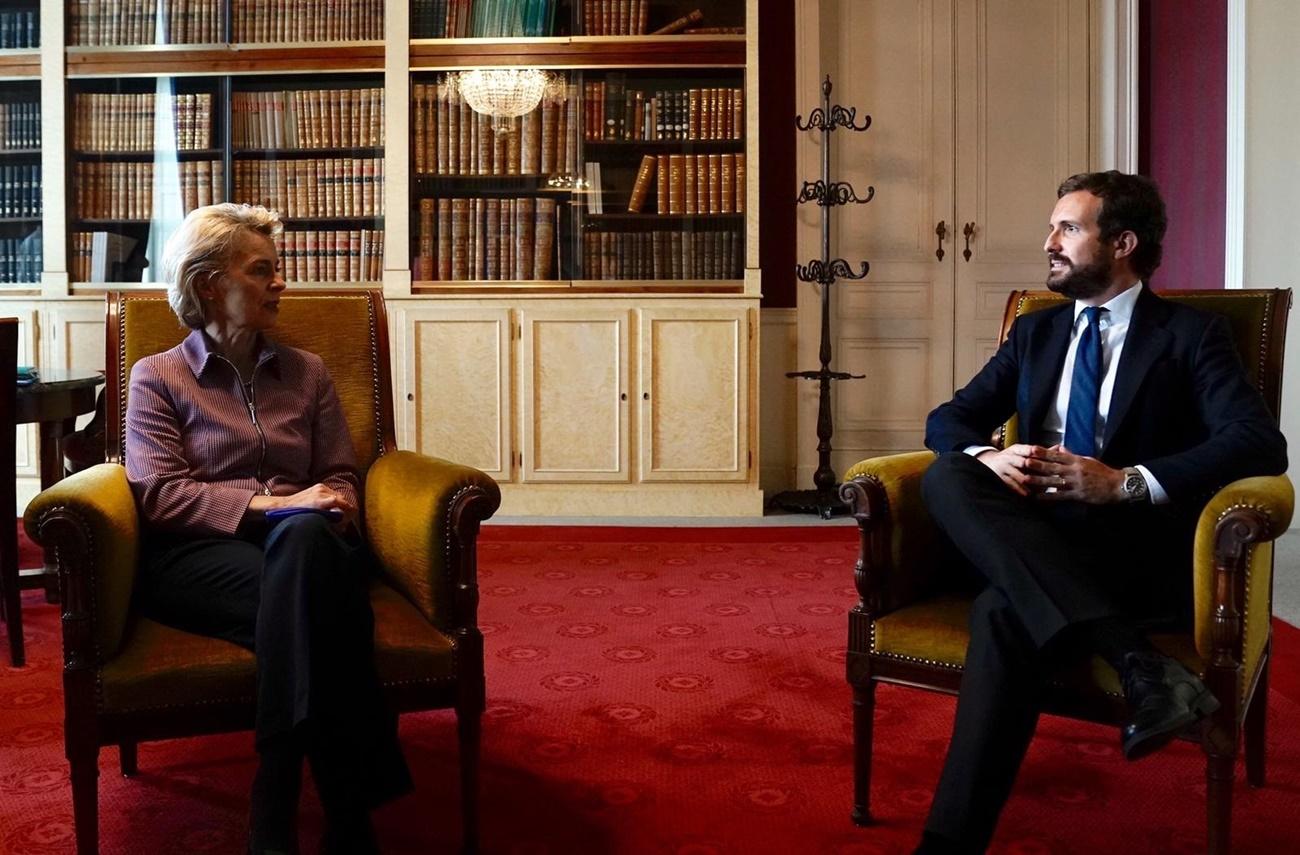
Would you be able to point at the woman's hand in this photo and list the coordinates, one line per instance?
(316, 496)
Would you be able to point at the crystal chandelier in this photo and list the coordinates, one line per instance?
(504, 93)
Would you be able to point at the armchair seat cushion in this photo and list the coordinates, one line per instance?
(934, 631)
(158, 664)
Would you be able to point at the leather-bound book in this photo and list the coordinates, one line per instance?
(525, 235)
(691, 201)
(441, 166)
(676, 184)
(550, 110)
(715, 183)
(544, 240)
(680, 24)
(444, 239)
(641, 186)
(460, 239)
(531, 144)
(662, 183)
(740, 183)
(492, 225)
(427, 237)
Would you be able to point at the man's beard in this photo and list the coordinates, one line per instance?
(1081, 283)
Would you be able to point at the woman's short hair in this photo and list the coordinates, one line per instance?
(202, 246)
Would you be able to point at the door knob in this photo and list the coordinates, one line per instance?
(942, 231)
(968, 232)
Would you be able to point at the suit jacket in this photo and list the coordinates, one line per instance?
(1182, 405)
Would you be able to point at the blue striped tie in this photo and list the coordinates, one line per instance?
(1081, 418)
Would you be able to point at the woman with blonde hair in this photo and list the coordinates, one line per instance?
(241, 464)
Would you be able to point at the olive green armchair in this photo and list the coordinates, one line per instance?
(910, 625)
(128, 679)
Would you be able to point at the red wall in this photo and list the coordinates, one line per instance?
(1182, 134)
(777, 184)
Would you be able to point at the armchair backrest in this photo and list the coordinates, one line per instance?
(347, 329)
(1257, 317)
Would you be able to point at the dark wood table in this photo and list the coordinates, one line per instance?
(53, 403)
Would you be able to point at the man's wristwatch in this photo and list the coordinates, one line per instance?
(1135, 486)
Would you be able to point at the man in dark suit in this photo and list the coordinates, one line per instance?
(1132, 410)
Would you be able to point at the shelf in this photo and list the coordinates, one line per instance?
(632, 146)
(197, 153)
(580, 52)
(18, 63)
(644, 216)
(19, 151)
(594, 287)
(17, 221)
(277, 153)
(377, 220)
(222, 59)
(96, 222)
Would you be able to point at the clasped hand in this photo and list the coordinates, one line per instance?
(1054, 474)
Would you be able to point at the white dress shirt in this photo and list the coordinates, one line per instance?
(1113, 324)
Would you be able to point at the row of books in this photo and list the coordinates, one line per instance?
(125, 191)
(20, 29)
(144, 22)
(615, 17)
(314, 187)
(307, 119)
(452, 139)
(20, 259)
(611, 111)
(20, 190)
(306, 20)
(459, 19)
(691, 183)
(125, 122)
(20, 125)
(662, 254)
(100, 256)
(486, 239)
(315, 255)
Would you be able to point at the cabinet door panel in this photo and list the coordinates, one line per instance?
(573, 390)
(1022, 127)
(74, 339)
(694, 420)
(457, 386)
(26, 463)
(894, 64)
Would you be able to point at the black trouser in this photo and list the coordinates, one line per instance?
(1047, 569)
(298, 599)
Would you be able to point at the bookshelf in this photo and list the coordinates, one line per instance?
(588, 356)
(21, 196)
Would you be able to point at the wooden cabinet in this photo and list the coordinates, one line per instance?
(573, 392)
(608, 410)
(693, 394)
(453, 385)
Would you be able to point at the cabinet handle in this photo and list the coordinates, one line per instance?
(622, 396)
(942, 231)
(968, 232)
(645, 396)
(410, 396)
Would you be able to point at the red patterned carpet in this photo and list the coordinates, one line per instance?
(665, 691)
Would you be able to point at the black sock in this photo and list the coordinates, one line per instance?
(273, 813)
(1112, 639)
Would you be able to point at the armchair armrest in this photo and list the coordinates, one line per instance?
(898, 556)
(422, 521)
(1233, 572)
(90, 521)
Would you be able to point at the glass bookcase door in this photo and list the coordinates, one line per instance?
(143, 153)
(452, 19)
(312, 148)
(616, 176)
(660, 17)
(21, 257)
(663, 156)
(491, 197)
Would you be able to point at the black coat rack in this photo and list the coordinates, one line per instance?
(824, 499)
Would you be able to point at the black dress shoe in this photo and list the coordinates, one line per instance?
(1163, 699)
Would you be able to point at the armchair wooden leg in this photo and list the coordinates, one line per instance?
(1256, 729)
(128, 758)
(864, 712)
(85, 800)
(1218, 802)
(468, 725)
